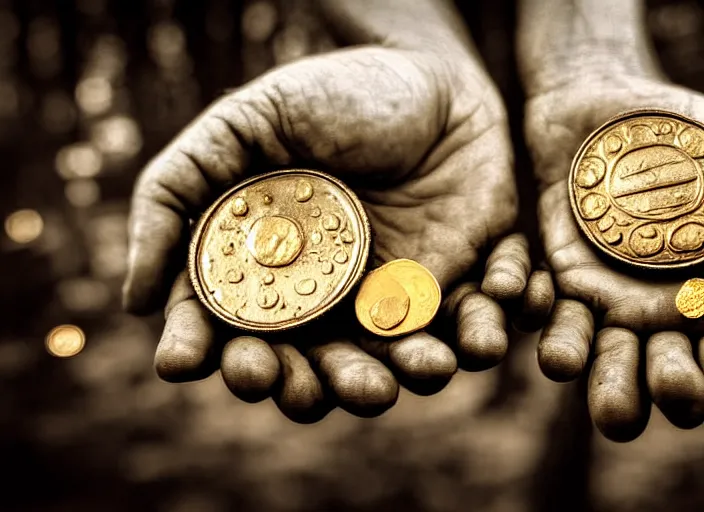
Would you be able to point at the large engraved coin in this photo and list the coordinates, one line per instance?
(398, 298)
(637, 187)
(279, 250)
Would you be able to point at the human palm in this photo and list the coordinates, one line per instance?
(623, 306)
(422, 141)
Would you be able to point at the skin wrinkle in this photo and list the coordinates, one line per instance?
(356, 378)
(180, 292)
(249, 368)
(186, 344)
(674, 380)
(564, 346)
(300, 395)
(236, 168)
(615, 402)
(207, 190)
(217, 163)
(540, 294)
(481, 336)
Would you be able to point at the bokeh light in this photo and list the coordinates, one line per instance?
(24, 226)
(107, 58)
(259, 21)
(65, 341)
(94, 95)
(80, 160)
(82, 193)
(167, 43)
(290, 44)
(117, 136)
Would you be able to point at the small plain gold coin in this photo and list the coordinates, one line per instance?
(690, 298)
(398, 298)
(279, 250)
(636, 189)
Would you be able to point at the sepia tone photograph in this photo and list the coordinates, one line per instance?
(352, 255)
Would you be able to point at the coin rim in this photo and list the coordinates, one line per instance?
(623, 116)
(353, 279)
(389, 334)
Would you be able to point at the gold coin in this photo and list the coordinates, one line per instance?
(636, 188)
(690, 298)
(279, 250)
(65, 341)
(398, 298)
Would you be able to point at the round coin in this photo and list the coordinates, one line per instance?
(279, 250)
(690, 298)
(636, 188)
(398, 298)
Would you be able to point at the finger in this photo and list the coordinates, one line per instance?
(187, 349)
(538, 301)
(701, 353)
(422, 363)
(675, 381)
(563, 350)
(205, 158)
(362, 385)
(481, 335)
(618, 404)
(507, 268)
(249, 368)
(300, 395)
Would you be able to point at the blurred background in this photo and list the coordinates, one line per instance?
(89, 90)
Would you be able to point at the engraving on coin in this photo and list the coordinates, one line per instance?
(636, 188)
(297, 242)
(389, 312)
(239, 207)
(305, 287)
(235, 276)
(397, 298)
(267, 298)
(687, 237)
(340, 256)
(304, 191)
(274, 241)
(690, 298)
(646, 240)
(331, 222)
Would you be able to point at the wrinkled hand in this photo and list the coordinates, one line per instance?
(622, 306)
(424, 144)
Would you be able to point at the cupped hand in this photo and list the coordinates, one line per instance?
(424, 144)
(623, 307)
